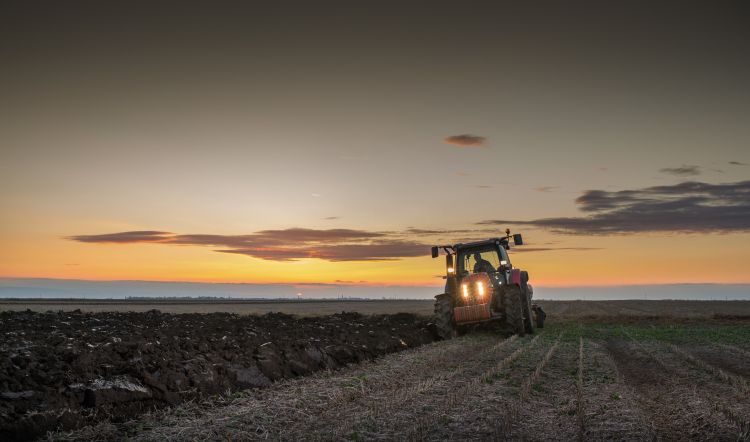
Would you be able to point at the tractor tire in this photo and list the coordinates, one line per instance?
(528, 319)
(540, 317)
(514, 300)
(443, 318)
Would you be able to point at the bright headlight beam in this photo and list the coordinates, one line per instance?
(480, 288)
(466, 290)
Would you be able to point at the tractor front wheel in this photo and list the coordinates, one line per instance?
(444, 317)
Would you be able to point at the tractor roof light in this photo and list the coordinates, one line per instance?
(451, 270)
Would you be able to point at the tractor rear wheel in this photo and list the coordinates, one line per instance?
(528, 319)
(514, 300)
(444, 317)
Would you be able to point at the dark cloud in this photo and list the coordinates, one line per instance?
(124, 237)
(265, 238)
(283, 245)
(689, 207)
(299, 243)
(331, 218)
(447, 233)
(737, 163)
(379, 251)
(465, 140)
(684, 170)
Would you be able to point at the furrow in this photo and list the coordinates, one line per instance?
(426, 424)
(736, 381)
(663, 396)
(376, 406)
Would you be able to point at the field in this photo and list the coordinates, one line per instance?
(625, 370)
(557, 309)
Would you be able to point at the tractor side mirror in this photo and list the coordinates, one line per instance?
(449, 264)
(518, 239)
(435, 252)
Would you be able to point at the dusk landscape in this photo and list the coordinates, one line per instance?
(210, 207)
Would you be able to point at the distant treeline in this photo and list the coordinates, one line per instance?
(234, 298)
(200, 299)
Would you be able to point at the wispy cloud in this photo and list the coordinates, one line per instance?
(125, 237)
(283, 245)
(547, 249)
(684, 170)
(331, 218)
(690, 207)
(466, 140)
(301, 243)
(738, 163)
(546, 189)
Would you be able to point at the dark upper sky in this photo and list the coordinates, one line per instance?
(580, 47)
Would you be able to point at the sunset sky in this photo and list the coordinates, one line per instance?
(335, 142)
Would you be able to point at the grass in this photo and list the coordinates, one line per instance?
(707, 332)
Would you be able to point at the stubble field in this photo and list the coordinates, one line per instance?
(610, 370)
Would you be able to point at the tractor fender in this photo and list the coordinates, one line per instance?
(516, 276)
(442, 296)
(519, 277)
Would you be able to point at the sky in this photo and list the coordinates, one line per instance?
(335, 142)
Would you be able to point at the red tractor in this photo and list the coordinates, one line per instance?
(482, 285)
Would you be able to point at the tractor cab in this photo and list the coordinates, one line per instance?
(489, 256)
(488, 259)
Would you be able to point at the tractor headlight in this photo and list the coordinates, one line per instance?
(466, 290)
(480, 288)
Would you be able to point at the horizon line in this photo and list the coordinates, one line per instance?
(354, 284)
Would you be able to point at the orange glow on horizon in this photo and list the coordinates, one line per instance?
(609, 261)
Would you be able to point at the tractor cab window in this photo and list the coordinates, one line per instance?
(481, 261)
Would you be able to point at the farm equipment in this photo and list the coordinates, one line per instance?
(482, 285)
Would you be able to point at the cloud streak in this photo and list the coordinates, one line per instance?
(684, 170)
(281, 245)
(465, 140)
(125, 237)
(293, 244)
(545, 189)
(688, 207)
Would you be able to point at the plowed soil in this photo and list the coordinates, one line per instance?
(573, 380)
(69, 369)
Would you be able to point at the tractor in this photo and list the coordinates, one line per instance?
(482, 285)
